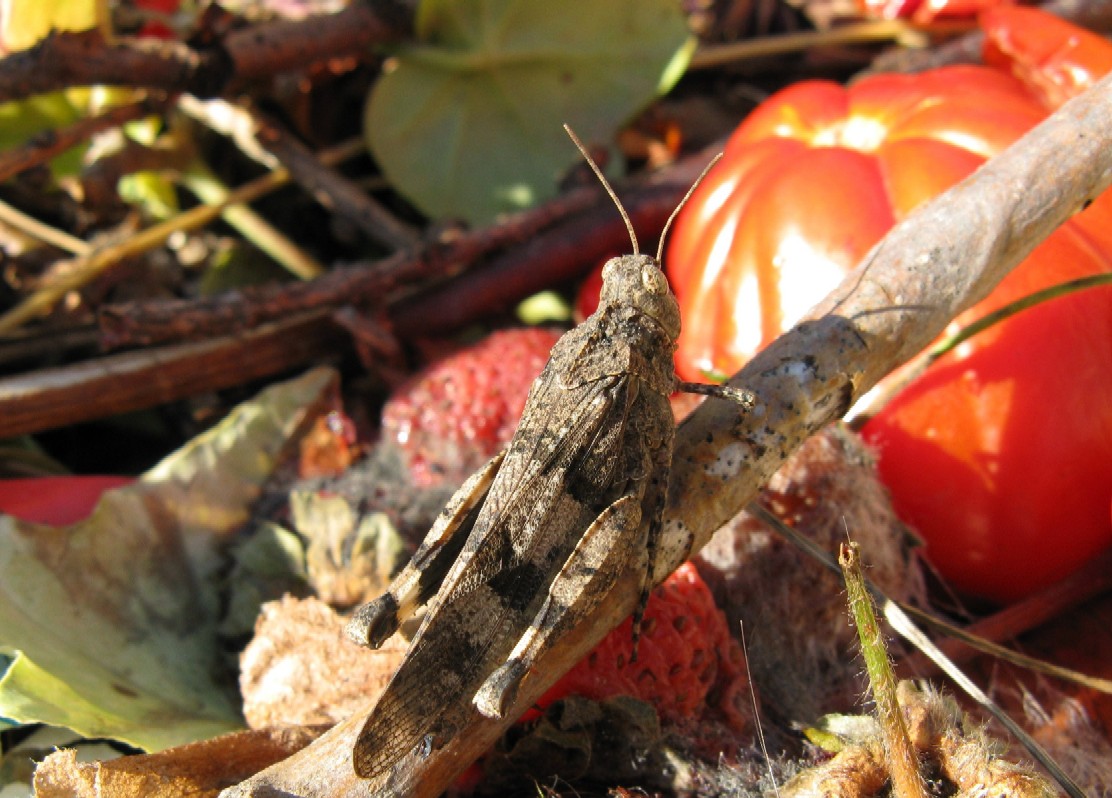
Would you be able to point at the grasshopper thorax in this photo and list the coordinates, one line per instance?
(636, 282)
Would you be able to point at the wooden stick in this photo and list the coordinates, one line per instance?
(49, 398)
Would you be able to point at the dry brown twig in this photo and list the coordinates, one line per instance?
(47, 144)
(176, 320)
(121, 383)
(271, 144)
(941, 260)
(86, 58)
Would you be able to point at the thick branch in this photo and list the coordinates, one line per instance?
(938, 262)
(48, 398)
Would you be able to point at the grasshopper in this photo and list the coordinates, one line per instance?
(533, 540)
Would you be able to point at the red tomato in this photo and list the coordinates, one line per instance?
(1055, 59)
(809, 182)
(925, 12)
(1001, 455)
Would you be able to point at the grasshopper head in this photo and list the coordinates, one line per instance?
(636, 281)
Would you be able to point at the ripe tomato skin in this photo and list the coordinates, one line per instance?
(808, 183)
(1001, 455)
(1053, 58)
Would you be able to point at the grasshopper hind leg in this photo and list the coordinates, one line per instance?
(419, 581)
(602, 555)
(656, 495)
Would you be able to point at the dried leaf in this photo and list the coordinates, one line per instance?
(301, 668)
(112, 621)
(197, 770)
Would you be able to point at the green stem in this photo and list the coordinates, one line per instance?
(253, 227)
(1012, 308)
(903, 763)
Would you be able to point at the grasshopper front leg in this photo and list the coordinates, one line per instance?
(725, 392)
(421, 578)
(606, 550)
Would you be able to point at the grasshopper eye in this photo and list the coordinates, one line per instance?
(653, 279)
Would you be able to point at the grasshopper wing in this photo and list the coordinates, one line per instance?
(546, 493)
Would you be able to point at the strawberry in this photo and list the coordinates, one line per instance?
(687, 662)
(459, 412)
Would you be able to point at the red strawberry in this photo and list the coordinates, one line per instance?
(457, 413)
(687, 662)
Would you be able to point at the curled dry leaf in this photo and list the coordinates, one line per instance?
(197, 770)
(300, 668)
(968, 760)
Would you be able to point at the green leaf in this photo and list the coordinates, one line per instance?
(27, 21)
(150, 191)
(19, 120)
(113, 621)
(468, 124)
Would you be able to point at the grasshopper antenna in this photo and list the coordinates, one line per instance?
(686, 197)
(606, 185)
